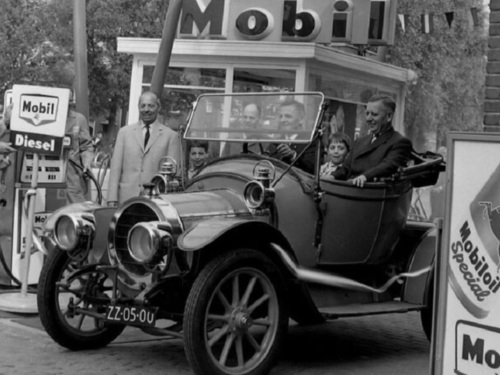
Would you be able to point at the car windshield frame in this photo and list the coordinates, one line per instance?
(291, 117)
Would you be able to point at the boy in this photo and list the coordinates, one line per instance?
(338, 146)
(198, 153)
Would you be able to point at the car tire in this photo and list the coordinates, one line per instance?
(235, 318)
(56, 287)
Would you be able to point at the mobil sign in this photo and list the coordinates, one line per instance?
(38, 119)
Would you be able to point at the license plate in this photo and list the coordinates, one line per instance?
(132, 315)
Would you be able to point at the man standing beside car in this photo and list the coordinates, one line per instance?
(291, 117)
(81, 153)
(138, 150)
(380, 153)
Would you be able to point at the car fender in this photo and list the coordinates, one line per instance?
(207, 232)
(416, 289)
(229, 233)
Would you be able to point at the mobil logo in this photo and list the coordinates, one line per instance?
(38, 109)
(477, 349)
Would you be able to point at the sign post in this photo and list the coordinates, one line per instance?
(37, 125)
(466, 328)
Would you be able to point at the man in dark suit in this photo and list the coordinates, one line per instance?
(382, 151)
(251, 122)
(291, 115)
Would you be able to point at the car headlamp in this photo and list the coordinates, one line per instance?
(73, 230)
(164, 181)
(148, 242)
(258, 193)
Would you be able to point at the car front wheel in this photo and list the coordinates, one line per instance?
(62, 284)
(235, 319)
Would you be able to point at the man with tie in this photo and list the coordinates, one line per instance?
(251, 122)
(138, 150)
(380, 153)
(291, 116)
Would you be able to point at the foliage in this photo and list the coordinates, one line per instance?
(109, 71)
(27, 53)
(33, 53)
(450, 63)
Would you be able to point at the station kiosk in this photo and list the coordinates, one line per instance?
(280, 45)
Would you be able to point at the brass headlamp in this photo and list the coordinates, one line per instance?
(165, 180)
(258, 193)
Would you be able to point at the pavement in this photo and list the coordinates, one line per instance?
(374, 345)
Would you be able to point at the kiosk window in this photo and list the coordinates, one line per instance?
(182, 87)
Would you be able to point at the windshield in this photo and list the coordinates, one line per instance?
(262, 117)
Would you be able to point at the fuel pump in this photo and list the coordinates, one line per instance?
(16, 175)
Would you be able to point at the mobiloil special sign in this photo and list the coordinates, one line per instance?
(467, 334)
(39, 118)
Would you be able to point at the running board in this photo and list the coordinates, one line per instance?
(310, 275)
(360, 309)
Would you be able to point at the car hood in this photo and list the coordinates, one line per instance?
(181, 210)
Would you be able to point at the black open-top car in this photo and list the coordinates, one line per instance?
(225, 259)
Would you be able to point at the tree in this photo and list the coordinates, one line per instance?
(451, 66)
(27, 53)
(32, 53)
(108, 71)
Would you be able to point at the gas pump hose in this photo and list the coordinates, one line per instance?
(90, 175)
(7, 268)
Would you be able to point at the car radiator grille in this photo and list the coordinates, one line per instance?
(135, 213)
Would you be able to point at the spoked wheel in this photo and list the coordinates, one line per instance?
(59, 287)
(235, 319)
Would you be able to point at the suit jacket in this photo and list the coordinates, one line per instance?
(235, 148)
(306, 162)
(132, 165)
(381, 158)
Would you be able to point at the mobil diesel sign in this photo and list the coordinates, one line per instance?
(320, 21)
(39, 118)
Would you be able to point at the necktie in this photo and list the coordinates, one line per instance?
(146, 136)
(374, 138)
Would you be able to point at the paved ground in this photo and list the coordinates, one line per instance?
(378, 345)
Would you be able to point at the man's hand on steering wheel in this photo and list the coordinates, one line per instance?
(285, 152)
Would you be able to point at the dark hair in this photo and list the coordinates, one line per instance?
(387, 101)
(199, 144)
(340, 138)
(298, 106)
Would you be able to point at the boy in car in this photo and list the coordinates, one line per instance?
(198, 154)
(338, 146)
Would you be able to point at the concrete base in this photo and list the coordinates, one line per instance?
(19, 303)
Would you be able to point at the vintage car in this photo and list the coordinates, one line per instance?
(225, 260)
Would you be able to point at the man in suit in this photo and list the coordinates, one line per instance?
(382, 151)
(251, 121)
(291, 116)
(138, 150)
